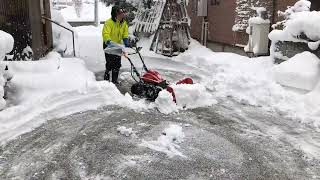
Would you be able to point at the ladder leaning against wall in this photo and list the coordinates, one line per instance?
(166, 23)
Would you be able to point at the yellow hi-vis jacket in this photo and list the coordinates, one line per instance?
(114, 31)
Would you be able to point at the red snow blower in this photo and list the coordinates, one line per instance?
(151, 82)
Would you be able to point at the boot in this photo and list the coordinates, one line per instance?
(107, 76)
(115, 75)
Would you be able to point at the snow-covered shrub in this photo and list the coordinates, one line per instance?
(300, 25)
(300, 6)
(6, 45)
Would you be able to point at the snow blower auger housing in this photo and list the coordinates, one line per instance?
(151, 82)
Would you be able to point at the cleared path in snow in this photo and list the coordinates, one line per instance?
(226, 141)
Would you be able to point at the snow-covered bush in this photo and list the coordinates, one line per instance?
(6, 45)
(300, 25)
(300, 6)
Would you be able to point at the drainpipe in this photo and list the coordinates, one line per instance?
(96, 13)
(274, 4)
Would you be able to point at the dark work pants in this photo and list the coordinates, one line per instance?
(113, 64)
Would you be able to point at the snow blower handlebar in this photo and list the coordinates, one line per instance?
(134, 69)
(137, 51)
(117, 49)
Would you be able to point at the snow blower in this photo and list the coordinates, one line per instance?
(151, 82)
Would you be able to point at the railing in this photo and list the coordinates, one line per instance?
(52, 21)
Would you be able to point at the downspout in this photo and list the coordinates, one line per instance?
(274, 4)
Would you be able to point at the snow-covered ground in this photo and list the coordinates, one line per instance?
(55, 87)
(87, 12)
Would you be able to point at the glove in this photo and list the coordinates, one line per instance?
(126, 42)
(108, 43)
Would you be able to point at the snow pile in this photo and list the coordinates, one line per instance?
(302, 71)
(253, 81)
(192, 96)
(188, 96)
(55, 87)
(165, 103)
(53, 75)
(86, 13)
(168, 141)
(304, 22)
(314, 45)
(6, 45)
(125, 131)
(62, 38)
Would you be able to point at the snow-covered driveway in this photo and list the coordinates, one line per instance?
(216, 143)
(229, 140)
(253, 128)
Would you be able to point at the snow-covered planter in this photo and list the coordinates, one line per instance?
(6, 45)
(301, 32)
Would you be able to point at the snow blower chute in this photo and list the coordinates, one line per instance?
(151, 82)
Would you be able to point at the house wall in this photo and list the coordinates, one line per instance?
(41, 30)
(221, 19)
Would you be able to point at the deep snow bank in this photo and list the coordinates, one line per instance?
(188, 96)
(251, 81)
(55, 87)
(301, 71)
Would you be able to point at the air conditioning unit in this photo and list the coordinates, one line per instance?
(202, 8)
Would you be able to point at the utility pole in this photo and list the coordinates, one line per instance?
(96, 13)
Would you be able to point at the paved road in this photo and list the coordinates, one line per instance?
(226, 141)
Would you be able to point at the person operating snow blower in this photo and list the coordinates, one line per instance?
(115, 30)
